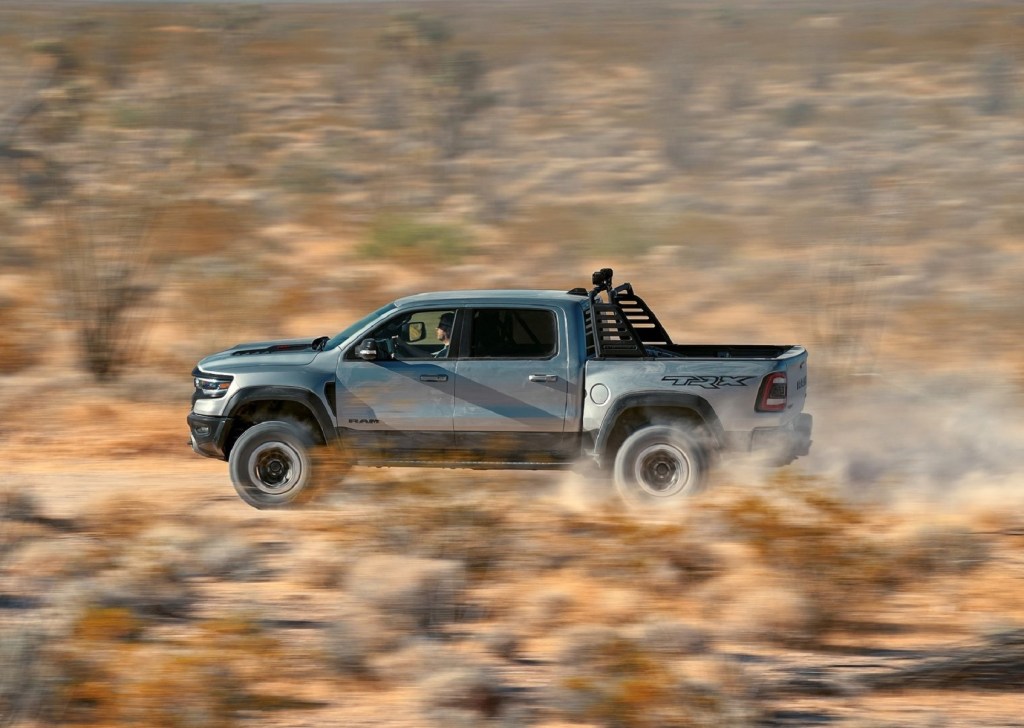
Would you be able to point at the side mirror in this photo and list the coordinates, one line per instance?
(368, 350)
(414, 331)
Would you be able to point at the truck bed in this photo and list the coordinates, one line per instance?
(720, 351)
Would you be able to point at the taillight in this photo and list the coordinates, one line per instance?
(772, 397)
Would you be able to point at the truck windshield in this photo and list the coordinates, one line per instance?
(350, 330)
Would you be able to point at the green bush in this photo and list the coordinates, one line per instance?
(305, 177)
(799, 113)
(404, 236)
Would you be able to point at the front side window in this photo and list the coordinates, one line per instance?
(413, 335)
(513, 333)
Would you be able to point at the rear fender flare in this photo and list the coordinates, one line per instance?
(699, 407)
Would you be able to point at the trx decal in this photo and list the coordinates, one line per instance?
(707, 382)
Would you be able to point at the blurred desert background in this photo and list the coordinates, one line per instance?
(177, 178)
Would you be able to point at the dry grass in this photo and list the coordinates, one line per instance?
(840, 177)
(594, 616)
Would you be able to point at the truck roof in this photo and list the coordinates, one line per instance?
(491, 296)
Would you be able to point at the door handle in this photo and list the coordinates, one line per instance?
(433, 377)
(543, 378)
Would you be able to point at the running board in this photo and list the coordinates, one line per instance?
(467, 464)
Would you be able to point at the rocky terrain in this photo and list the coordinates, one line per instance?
(175, 179)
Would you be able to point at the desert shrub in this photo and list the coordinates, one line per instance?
(450, 84)
(202, 227)
(179, 689)
(103, 262)
(18, 504)
(610, 679)
(107, 624)
(131, 116)
(416, 594)
(834, 550)
(675, 90)
(119, 517)
(799, 112)
(186, 550)
(1013, 223)
(27, 684)
(320, 565)
(145, 588)
(557, 227)
(471, 689)
(501, 641)
(167, 547)
(626, 230)
(16, 353)
(672, 637)
(548, 607)
(229, 556)
(708, 238)
(621, 546)
(750, 606)
(146, 566)
(801, 529)
(355, 636)
(305, 177)
(34, 561)
(449, 681)
(477, 537)
(112, 669)
(411, 660)
(936, 549)
(996, 77)
(407, 237)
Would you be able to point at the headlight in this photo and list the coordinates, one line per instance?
(210, 386)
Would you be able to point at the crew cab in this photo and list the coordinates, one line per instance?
(524, 379)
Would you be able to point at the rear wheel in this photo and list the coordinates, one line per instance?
(660, 465)
(271, 464)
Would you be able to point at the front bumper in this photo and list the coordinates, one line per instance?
(208, 434)
(784, 444)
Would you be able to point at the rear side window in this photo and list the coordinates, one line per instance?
(513, 333)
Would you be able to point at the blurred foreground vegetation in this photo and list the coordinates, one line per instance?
(507, 604)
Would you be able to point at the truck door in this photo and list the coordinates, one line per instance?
(512, 385)
(401, 402)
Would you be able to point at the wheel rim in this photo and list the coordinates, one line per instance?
(275, 468)
(662, 471)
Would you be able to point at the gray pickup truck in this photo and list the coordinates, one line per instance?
(498, 379)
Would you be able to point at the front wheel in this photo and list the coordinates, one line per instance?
(271, 465)
(660, 465)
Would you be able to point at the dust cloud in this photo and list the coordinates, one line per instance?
(953, 441)
(947, 444)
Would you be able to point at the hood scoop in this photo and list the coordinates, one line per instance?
(272, 349)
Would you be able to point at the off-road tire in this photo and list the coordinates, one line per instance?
(272, 465)
(660, 465)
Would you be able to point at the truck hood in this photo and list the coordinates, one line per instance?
(283, 352)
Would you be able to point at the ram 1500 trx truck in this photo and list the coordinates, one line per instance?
(499, 379)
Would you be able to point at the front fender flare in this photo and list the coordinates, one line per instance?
(277, 393)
